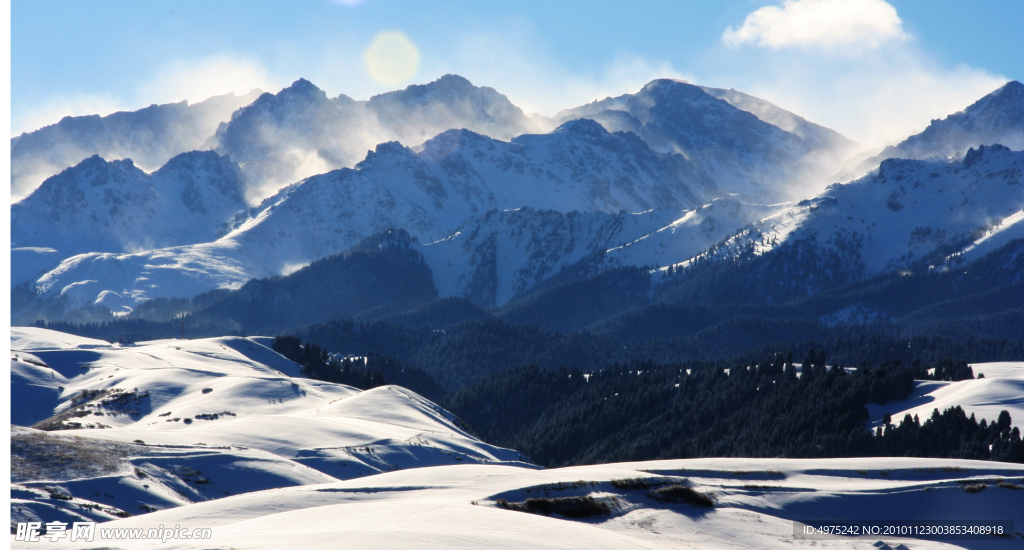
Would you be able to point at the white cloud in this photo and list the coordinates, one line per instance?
(832, 24)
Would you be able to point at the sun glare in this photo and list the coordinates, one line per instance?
(391, 58)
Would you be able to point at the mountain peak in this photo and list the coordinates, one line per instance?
(660, 86)
(451, 81)
(1009, 96)
(446, 86)
(663, 82)
(302, 84)
(582, 127)
(450, 140)
(1012, 87)
(303, 88)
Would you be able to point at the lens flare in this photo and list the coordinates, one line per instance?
(391, 58)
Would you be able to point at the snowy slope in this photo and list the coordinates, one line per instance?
(495, 257)
(300, 132)
(996, 118)
(814, 135)
(150, 136)
(756, 502)
(186, 410)
(492, 258)
(113, 206)
(120, 281)
(741, 152)
(905, 212)
(1001, 389)
(456, 175)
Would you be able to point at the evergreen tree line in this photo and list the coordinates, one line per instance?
(642, 410)
(462, 353)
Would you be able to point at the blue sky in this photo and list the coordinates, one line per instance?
(875, 70)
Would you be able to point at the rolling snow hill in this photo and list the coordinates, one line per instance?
(756, 502)
(149, 136)
(183, 421)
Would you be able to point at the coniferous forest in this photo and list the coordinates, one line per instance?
(643, 410)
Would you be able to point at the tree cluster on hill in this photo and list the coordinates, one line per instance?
(367, 372)
(952, 434)
(317, 363)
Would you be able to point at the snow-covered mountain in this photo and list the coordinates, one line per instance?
(996, 118)
(489, 259)
(458, 174)
(149, 136)
(740, 151)
(300, 132)
(938, 211)
(946, 212)
(113, 206)
(184, 421)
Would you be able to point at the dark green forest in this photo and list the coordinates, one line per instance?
(642, 410)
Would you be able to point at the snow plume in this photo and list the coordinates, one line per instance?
(198, 79)
(831, 24)
(884, 97)
(194, 80)
(292, 267)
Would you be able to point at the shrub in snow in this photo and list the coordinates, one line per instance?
(678, 494)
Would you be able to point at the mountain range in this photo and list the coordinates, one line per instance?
(659, 180)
